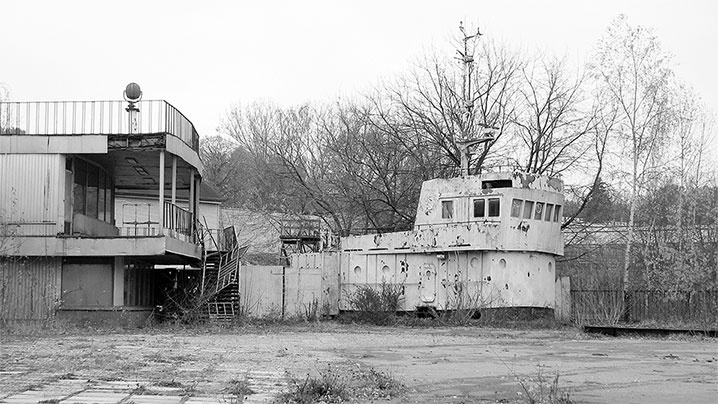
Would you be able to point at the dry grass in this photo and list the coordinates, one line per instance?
(342, 384)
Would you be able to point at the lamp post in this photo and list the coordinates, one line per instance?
(133, 94)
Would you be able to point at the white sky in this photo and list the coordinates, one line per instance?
(205, 56)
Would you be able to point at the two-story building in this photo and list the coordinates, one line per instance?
(93, 196)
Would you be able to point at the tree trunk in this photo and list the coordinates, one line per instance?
(629, 241)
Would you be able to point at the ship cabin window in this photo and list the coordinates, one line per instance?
(479, 208)
(528, 209)
(447, 209)
(557, 213)
(549, 212)
(496, 184)
(516, 207)
(494, 207)
(539, 210)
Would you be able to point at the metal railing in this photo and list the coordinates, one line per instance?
(179, 221)
(94, 118)
(300, 228)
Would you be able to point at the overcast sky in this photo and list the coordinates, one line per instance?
(205, 56)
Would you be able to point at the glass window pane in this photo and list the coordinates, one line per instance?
(528, 209)
(494, 207)
(101, 197)
(78, 187)
(479, 207)
(92, 184)
(539, 211)
(516, 207)
(447, 209)
(549, 211)
(557, 213)
(109, 200)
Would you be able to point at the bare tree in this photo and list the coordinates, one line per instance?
(433, 106)
(630, 66)
(555, 122)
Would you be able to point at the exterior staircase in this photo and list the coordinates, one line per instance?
(221, 279)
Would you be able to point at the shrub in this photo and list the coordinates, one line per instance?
(376, 305)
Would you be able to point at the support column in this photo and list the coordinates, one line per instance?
(162, 192)
(191, 190)
(118, 287)
(174, 179)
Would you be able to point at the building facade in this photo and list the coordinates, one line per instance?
(67, 170)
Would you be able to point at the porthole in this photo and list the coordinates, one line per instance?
(550, 266)
(385, 269)
(357, 270)
(474, 263)
(502, 263)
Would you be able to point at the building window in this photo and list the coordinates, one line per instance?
(92, 190)
(479, 207)
(447, 209)
(557, 213)
(549, 212)
(528, 209)
(79, 186)
(494, 207)
(539, 211)
(516, 207)
(93, 174)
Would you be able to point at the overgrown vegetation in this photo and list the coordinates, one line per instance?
(542, 390)
(239, 388)
(340, 384)
(375, 304)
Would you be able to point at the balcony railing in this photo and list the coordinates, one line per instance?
(180, 222)
(94, 118)
(139, 220)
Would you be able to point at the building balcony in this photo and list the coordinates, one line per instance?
(110, 118)
(178, 237)
(97, 127)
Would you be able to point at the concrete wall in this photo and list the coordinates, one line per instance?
(310, 286)
(87, 283)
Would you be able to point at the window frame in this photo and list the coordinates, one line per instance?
(483, 210)
(527, 209)
(516, 203)
(488, 210)
(548, 212)
(82, 167)
(450, 204)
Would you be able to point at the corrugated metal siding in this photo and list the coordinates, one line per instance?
(29, 287)
(30, 191)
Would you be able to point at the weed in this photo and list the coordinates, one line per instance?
(539, 390)
(543, 391)
(239, 388)
(311, 310)
(376, 305)
(328, 387)
(168, 383)
(336, 385)
(374, 384)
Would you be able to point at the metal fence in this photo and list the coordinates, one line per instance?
(94, 118)
(661, 306)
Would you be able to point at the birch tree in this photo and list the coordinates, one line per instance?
(630, 67)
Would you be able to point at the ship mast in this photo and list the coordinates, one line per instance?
(468, 140)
